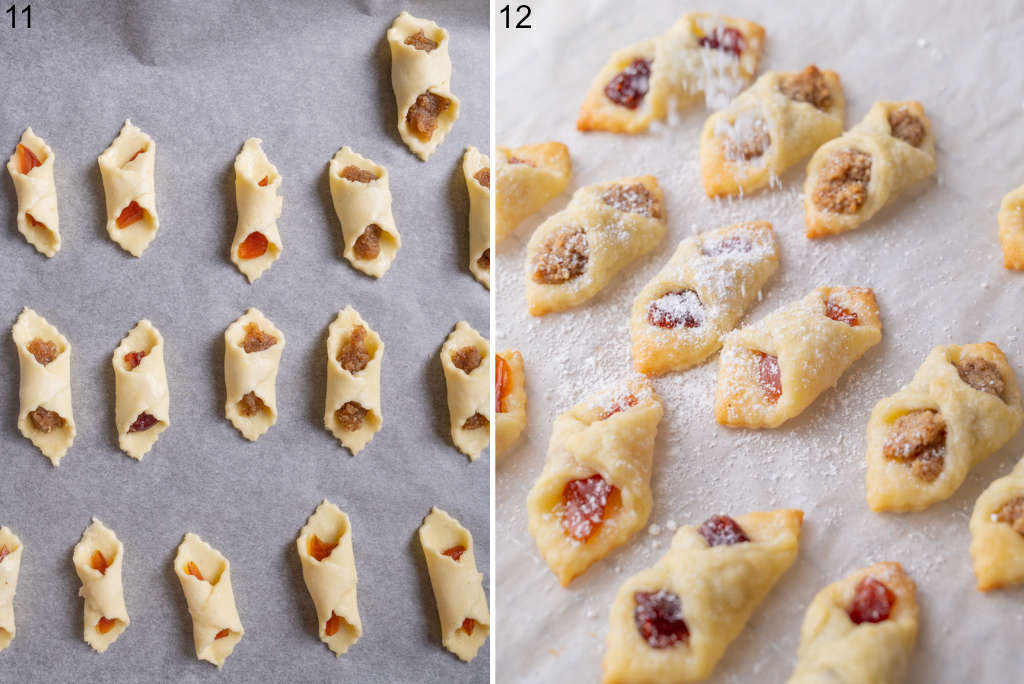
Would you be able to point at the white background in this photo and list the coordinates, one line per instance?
(932, 257)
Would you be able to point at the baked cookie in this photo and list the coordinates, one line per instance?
(859, 630)
(576, 252)
(770, 371)
(768, 128)
(595, 489)
(509, 398)
(1011, 228)
(997, 532)
(703, 55)
(851, 178)
(421, 72)
(961, 406)
(527, 178)
(37, 193)
(680, 316)
(671, 623)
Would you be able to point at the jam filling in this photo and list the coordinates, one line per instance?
(630, 85)
(659, 618)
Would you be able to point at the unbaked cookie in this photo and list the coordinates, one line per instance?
(205, 577)
(329, 570)
(355, 353)
(476, 169)
(595, 489)
(961, 406)
(44, 356)
(142, 400)
(421, 72)
(680, 316)
(859, 630)
(11, 551)
(851, 178)
(772, 125)
(31, 169)
(465, 360)
(361, 195)
(458, 585)
(576, 252)
(252, 354)
(672, 623)
(127, 168)
(527, 178)
(98, 558)
(702, 56)
(771, 370)
(257, 242)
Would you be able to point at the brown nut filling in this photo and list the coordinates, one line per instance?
(44, 350)
(358, 175)
(563, 256)
(748, 143)
(256, 340)
(843, 187)
(367, 245)
(906, 126)
(982, 375)
(354, 353)
(46, 421)
(484, 261)
(807, 86)
(483, 177)
(250, 405)
(919, 439)
(476, 421)
(420, 41)
(351, 415)
(635, 199)
(1012, 512)
(422, 115)
(467, 359)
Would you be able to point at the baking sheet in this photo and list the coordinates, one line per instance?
(932, 258)
(307, 78)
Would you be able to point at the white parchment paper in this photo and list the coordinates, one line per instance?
(200, 77)
(932, 258)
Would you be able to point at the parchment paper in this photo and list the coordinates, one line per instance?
(307, 78)
(932, 258)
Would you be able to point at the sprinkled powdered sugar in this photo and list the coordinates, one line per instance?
(915, 256)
